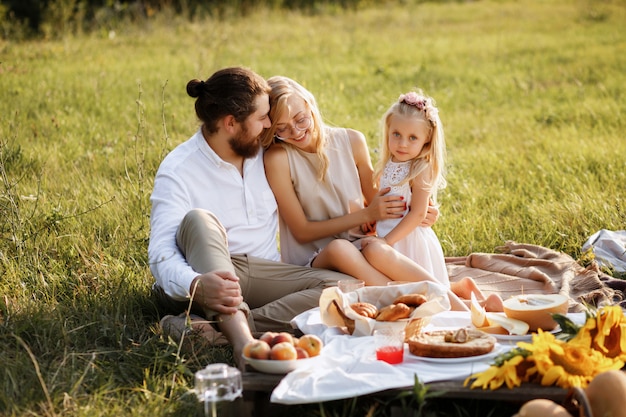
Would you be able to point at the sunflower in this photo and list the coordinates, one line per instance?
(551, 361)
(564, 364)
(509, 372)
(604, 332)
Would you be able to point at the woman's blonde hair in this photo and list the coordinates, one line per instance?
(433, 154)
(281, 89)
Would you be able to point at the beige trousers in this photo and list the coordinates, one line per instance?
(273, 292)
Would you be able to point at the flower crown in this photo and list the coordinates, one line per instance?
(421, 103)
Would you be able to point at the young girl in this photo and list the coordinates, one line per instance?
(412, 164)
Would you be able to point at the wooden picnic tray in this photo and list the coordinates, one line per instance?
(258, 387)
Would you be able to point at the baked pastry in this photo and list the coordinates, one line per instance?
(451, 343)
(394, 312)
(412, 300)
(365, 309)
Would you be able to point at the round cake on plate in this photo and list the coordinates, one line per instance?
(459, 343)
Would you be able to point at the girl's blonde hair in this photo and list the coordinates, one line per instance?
(433, 154)
(281, 89)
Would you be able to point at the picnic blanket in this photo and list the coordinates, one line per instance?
(520, 268)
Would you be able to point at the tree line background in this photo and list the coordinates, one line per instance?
(27, 19)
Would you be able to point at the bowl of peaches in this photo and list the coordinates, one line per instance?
(281, 352)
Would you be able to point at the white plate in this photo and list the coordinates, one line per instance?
(497, 349)
(520, 338)
(276, 366)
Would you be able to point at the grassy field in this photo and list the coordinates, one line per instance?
(533, 100)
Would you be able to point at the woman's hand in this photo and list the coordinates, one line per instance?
(385, 206)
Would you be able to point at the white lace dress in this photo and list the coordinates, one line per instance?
(422, 244)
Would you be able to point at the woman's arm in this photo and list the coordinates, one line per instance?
(420, 197)
(279, 177)
(363, 165)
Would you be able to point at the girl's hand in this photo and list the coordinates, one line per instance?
(385, 206)
(368, 228)
(431, 215)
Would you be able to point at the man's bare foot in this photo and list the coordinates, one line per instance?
(191, 326)
(238, 357)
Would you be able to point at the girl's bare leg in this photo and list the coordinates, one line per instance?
(466, 286)
(341, 255)
(398, 267)
(493, 302)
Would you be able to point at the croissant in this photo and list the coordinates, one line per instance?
(394, 312)
(365, 309)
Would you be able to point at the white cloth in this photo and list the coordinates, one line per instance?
(193, 176)
(348, 367)
(609, 248)
(422, 244)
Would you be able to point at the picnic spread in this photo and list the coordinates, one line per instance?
(348, 366)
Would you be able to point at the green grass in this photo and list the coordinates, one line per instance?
(532, 99)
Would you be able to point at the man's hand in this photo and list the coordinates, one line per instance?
(218, 291)
(431, 215)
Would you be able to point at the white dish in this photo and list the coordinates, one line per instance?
(514, 337)
(497, 349)
(269, 366)
(520, 338)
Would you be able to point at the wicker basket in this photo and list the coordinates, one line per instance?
(577, 403)
(415, 327)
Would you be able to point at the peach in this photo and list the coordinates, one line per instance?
(257, 349)
(267, 337)
(302, 354)
(311, 343)
(283, 351)
(281, 338)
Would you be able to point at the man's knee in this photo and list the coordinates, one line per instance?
(200, 224)
(199, 218)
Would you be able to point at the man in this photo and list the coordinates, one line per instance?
(213, 247)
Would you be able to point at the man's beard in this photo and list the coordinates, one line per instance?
(243, 146)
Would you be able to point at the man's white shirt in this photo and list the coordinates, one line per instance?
(193, 176)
